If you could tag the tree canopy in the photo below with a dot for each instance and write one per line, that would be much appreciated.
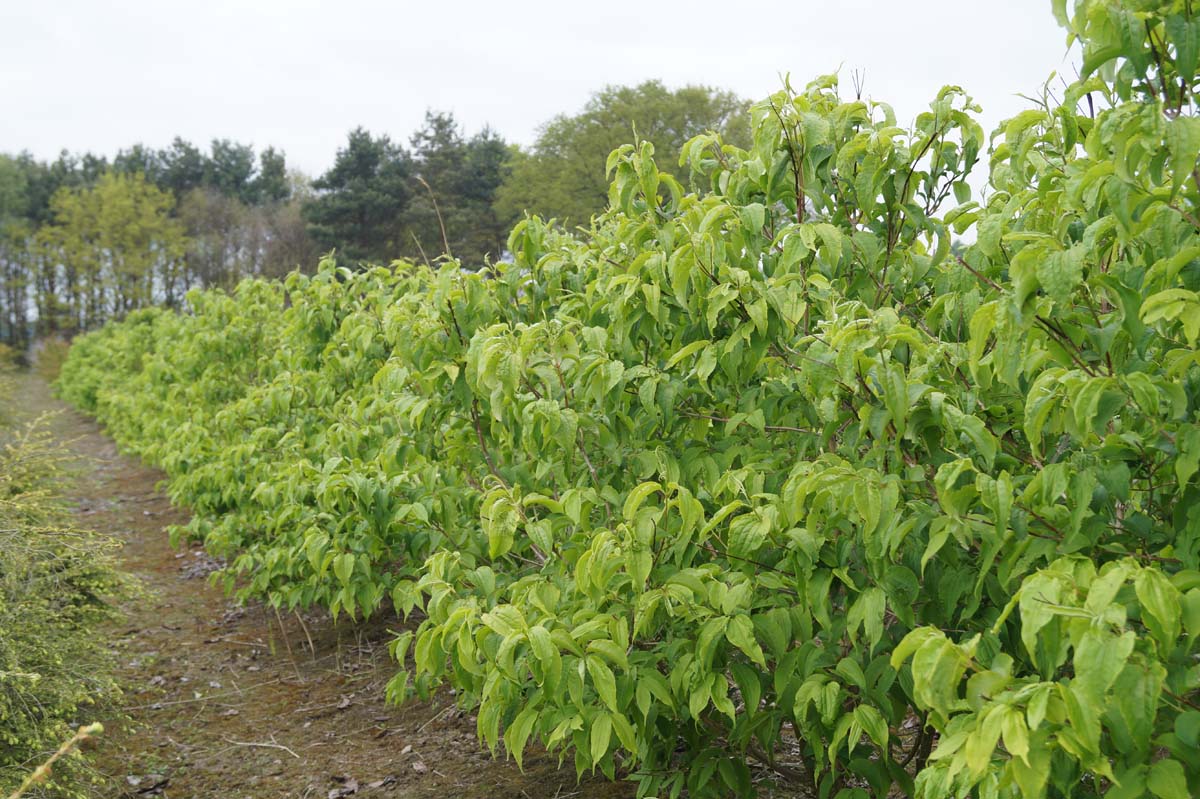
(115, 246)
(380, 202)
(457, 179)
(446, 192)
(361, 199)
(563, 176)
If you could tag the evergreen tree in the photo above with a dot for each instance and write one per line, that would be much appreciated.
(360, 202)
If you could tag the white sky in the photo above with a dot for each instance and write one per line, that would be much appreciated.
(298, 74)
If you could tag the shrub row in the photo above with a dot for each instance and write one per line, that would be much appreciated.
(779, 472)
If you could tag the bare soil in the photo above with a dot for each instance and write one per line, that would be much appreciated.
(232, 701)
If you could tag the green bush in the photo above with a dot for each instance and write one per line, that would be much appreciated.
(770, 473)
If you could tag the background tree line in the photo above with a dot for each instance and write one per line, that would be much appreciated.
(84, 239)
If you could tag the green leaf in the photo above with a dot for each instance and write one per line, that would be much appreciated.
(604, 682)
(981, 743)
(1015, 734)
(1184, 33)
(867, 612)
(1183, 140)
(1060, 273)
(517, 733)
(1172, 305)
(636, 497)
(343, 567)
(1099, 658)
(937, 668)
(740, 632)
(1187, 728)
(774, 628)
(748, 533)
(698, 698)
(547, 654)
(686, 351)
(625, 732)
(540, 534)
(1160, 603)
(873, 724)
(599, 737)
(1167, 780)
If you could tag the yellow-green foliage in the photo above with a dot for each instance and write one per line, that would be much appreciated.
(42, 773)
(56, 584)
(120, 214)
(9, 357)
(770, 472)
(49, 357)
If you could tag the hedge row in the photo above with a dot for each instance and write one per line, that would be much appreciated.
(779, 472)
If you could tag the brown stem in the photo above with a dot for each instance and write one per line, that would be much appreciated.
(797, 170)
(438, 211)
(487, 456)
(770, 428)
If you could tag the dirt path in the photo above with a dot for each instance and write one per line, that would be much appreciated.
(224, 701)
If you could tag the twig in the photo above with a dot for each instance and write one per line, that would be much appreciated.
(287, 643)
(487, 456)
(770, 428)
(436, 716)
(236, 643)
(420, 249)
(438, 211)
(304, 627)
(42, 772)
(263, 745)
(158, 705)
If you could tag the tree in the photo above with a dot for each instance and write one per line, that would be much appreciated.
(288, 247)
(62, 254)
(271, 184)
(14, 232)
(484, 171)
(230, 169)
(44, 179)
(183, 168)
(564, 177)
(454, 189)
(117, 248)
(360, 201)
(223, 239)
(140, 159)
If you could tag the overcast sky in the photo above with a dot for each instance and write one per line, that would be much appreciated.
(298, 74)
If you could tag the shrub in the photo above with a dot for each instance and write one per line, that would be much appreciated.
(57, 583)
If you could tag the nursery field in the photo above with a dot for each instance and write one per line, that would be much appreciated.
(822, 476)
